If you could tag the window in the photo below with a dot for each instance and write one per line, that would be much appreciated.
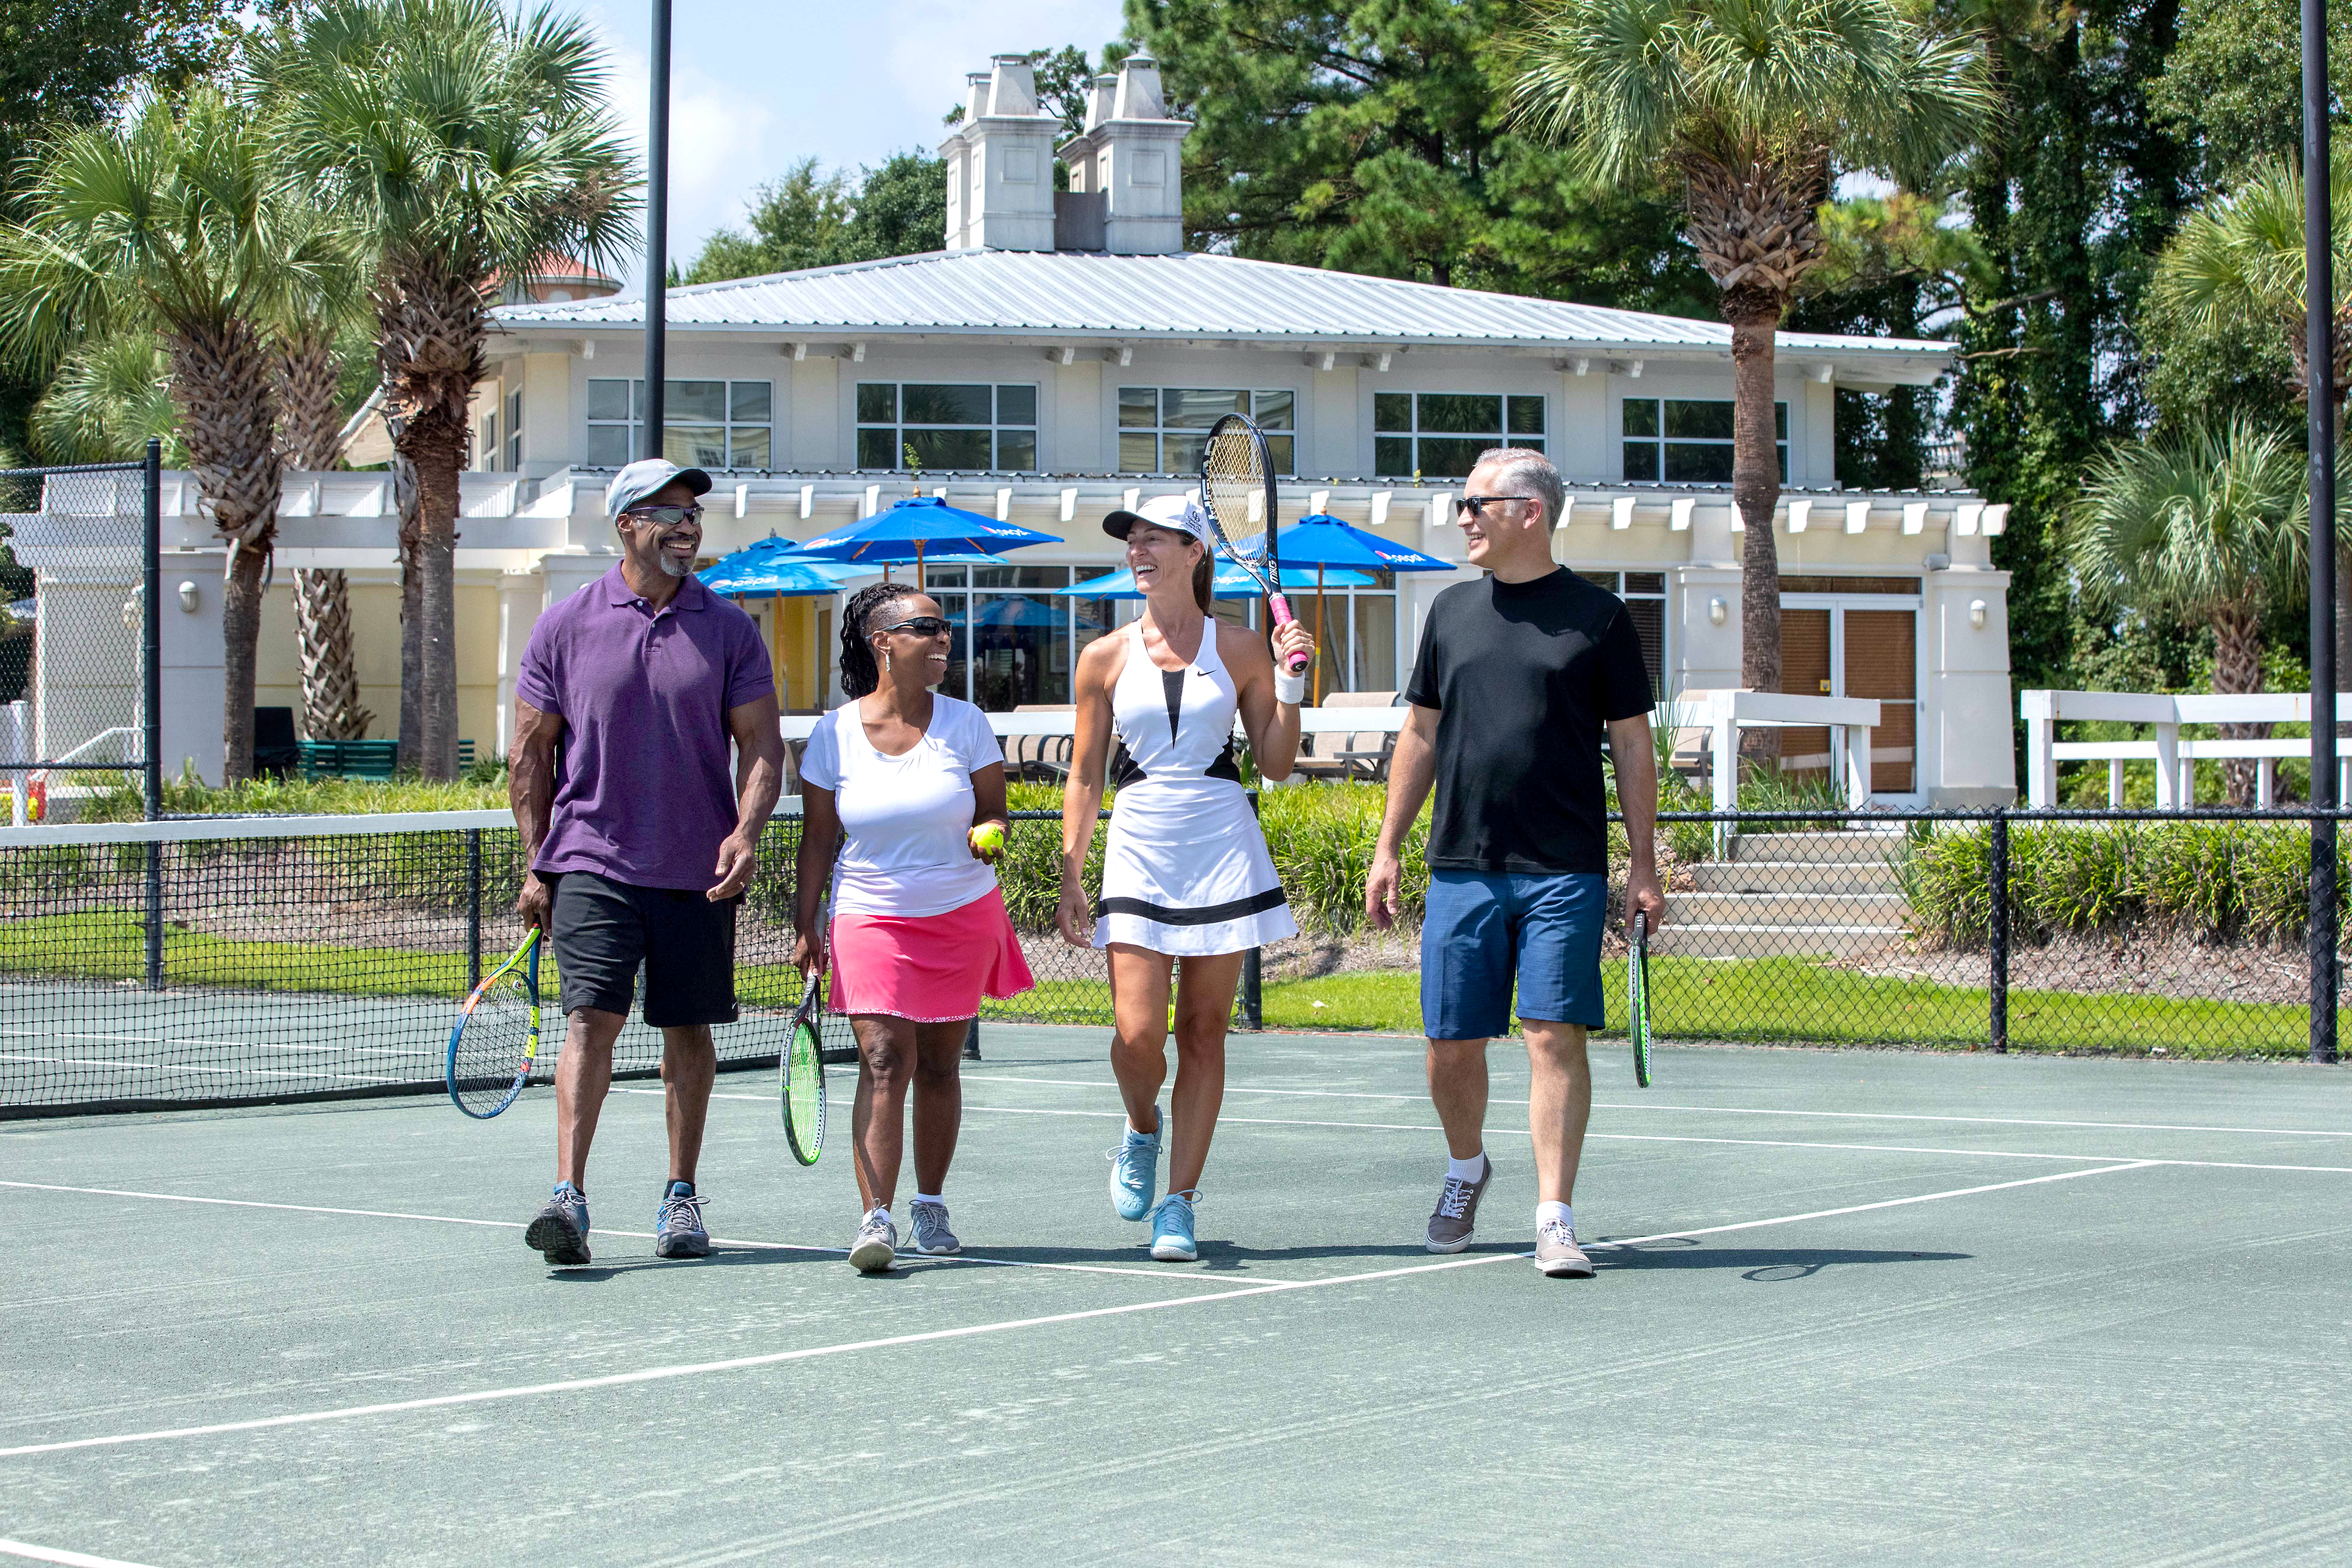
(1644, 593)
(988, 429)
(1687, 440)
(1441, 434)
(485, 442)
(1015, 641)
(1162, 428)
(705, 424)
(514, 431)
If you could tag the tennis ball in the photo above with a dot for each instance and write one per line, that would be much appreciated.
(987, 840)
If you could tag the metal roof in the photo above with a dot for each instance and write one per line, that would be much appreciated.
(1189, 297)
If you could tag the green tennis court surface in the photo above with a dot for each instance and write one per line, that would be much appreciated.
(1865, 1304)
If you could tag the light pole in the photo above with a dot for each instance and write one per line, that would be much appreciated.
(657, 234)
(2319, 406)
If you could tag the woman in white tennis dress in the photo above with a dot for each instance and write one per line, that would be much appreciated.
(1186, 876)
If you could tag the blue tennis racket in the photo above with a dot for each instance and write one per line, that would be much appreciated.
(496, 1038)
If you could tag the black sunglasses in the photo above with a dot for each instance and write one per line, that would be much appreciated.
(1476, 505)
(921, 625)
(666, 516)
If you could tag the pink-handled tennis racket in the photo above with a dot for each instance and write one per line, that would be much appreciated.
(1234, 469)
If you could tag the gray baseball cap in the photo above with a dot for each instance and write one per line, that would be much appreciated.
(646, 477)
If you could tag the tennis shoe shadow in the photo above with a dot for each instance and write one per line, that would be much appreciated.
(1762, 1265)
(720, 1257)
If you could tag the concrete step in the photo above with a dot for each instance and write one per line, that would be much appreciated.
(1842, 847)
(1733, 940)
(1875, 911)
(1792, 877)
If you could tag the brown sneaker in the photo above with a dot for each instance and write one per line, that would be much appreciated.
(1457, 1212)
(1556, 1253)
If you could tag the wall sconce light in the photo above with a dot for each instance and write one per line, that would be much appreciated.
(188, 598)
(1977, 614)
(1717, 612)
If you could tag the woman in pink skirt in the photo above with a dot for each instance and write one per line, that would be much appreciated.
(905, 781)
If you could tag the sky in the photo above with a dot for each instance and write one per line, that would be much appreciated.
(758, 85)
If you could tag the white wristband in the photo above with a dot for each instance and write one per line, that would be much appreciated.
(1290, 689)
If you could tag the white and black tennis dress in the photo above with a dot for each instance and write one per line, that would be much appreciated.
(1186, 870)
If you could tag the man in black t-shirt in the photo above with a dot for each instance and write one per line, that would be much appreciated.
(1518, 675)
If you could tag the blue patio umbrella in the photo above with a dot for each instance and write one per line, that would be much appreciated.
(1322, 541)
(771, 572)
(1021, 610)
(910, 529)
(1229, 583)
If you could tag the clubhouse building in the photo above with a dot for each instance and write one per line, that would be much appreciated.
(1063, 355)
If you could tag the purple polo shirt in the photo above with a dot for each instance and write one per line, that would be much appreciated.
(644, 794)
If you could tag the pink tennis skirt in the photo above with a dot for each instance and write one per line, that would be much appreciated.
(932, 969)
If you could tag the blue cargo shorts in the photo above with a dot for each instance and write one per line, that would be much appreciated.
(1484, 928)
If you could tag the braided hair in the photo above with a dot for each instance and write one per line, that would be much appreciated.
(859, 672)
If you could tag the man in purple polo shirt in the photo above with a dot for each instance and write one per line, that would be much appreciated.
(640, 842)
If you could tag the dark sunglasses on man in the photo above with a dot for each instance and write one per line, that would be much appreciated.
(1476, 505)
(665, 516)
(921, 627)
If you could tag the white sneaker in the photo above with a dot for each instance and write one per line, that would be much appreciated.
(875, 1249)
(932, 1237)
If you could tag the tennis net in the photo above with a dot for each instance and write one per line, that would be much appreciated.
(258, 960)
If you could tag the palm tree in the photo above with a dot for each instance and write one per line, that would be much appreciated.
(2240, 262)
(107, 397)
(1752, 107)
(466, 140)
(174, 224)
(2201, 529)
(308, 376)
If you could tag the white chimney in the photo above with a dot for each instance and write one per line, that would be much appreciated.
(999, 163)
(1129, 162)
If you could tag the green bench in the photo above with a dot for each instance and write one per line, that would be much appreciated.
(362, 758)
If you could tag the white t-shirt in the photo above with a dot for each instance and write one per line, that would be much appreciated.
(905, 817)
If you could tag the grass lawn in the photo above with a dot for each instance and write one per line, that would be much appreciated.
(1778, 999)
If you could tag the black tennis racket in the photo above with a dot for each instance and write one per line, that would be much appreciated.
(1637, 998)
(1234, 470)
(496, 1038)
(801, 1072)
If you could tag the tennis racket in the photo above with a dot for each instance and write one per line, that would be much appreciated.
(1637, 999)
(1235, 469)
(496, 1038)
(801, 1072)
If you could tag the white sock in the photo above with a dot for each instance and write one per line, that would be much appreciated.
(1554, 1209)
(879, 1211)
(1472, 1170)
(930, 1198)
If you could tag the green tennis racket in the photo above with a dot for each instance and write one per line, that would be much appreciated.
(801, 1073)
(496, 1038)
(1637, 998)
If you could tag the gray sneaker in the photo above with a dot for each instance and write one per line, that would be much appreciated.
(677, 1224)
(875, 1249)
(560, 1231)
(1556, 1253)
(932, 1237)
(1457, 1212)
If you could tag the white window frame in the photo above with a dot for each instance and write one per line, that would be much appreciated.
(634, 425)
(1282, 441)
(1537, 440)
(1658, 442)
(514, 431)
(996, 428)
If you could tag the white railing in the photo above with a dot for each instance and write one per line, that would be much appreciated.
(2175, 759)
(1849, 720)
(1311, 721)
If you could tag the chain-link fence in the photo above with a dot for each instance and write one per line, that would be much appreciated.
(78, 662)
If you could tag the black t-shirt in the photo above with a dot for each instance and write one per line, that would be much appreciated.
(1523, 676)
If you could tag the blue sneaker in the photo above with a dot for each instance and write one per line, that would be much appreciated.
(1171, 1228)
(677, 1224)
(1134, 1173)
(560, 1231)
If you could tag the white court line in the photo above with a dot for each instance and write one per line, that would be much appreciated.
(778, 1358)
(1656, 1138)
(58, 1554)
(630, 1235)
(1740, 1109)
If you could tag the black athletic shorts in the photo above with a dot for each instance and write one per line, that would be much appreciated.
(602, 930)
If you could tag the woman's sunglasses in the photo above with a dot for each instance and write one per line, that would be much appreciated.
(921, 627)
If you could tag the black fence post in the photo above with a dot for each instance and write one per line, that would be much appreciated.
(473, 907)
(151, 634)
(1998, 937)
